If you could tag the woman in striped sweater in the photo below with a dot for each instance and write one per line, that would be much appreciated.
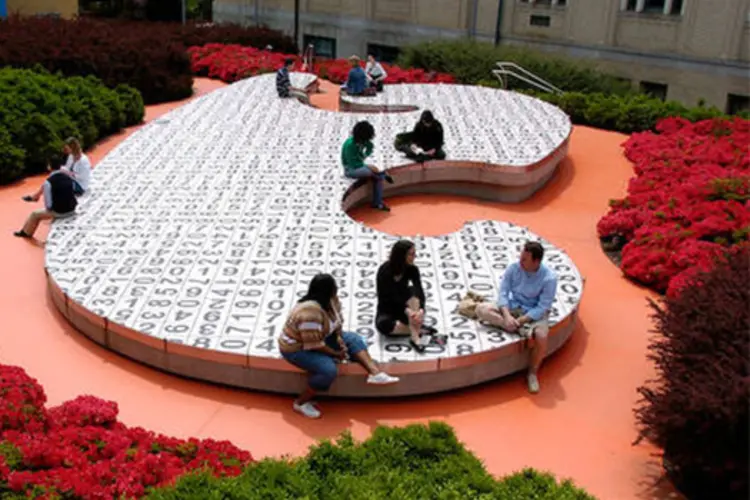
(313, 340)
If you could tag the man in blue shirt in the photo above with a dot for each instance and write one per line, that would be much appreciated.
(527, 291)
(356, 82)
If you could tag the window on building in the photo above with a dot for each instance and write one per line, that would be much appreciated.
(665, 7)
(656, 90)
(323, 45)
(383, 53)
(558, 3)
(737, 103)
(535, 20)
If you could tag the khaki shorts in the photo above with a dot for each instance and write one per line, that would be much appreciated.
(540, 327)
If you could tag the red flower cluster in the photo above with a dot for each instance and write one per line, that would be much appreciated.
(230, 63)
(80, 450)
(688, 204)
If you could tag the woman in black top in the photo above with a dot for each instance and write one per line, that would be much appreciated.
(425, 142)
(400, 295)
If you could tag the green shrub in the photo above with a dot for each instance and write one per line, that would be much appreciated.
(623, 113)
(414, 462)
(472, 62)
(38, 110)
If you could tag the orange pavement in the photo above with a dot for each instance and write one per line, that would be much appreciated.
(580, 425)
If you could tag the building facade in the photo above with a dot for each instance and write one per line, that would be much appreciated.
(686, 50)
(62, 8)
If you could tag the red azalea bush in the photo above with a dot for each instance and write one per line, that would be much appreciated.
(80, 450)
(231, 63)
(688, 204)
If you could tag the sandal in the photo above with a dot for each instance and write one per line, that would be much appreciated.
(27, 198)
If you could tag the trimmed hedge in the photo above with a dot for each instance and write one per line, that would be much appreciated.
(151, 57)
(414, 462)
(472, 62)
(697, 409)
(38, 110)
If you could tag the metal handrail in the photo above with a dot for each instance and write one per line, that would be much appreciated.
(308, 58)
(507, 68)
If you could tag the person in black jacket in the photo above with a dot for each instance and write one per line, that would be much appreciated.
(401, 299)
(59, 201)
(425, 142)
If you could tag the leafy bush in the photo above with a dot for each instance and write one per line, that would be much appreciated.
(414, 462)
(623, 113)
(697, 409)
(472, 62)
(688, 203)
(150, 57)
(39, 110)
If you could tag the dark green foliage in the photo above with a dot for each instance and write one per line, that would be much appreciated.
(623, 113)
(697, 409)
(414, 462)
(38, 111)
(472, 62)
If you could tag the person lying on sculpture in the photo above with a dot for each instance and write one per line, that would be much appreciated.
(425, 142)
(401, 299)
(527, 290)
(313, 340)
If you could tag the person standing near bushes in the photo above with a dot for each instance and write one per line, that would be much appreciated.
(425, 142)
(59, 201)
(527, 291)
(353, 154)
(284, 83)
(77, 165)
(313, 340)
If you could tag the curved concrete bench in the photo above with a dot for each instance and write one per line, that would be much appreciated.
(203, 228)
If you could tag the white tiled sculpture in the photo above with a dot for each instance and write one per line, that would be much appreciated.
(205, 226)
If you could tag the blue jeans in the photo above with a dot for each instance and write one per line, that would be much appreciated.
(77, 189)
(377, 182)
(320, 367)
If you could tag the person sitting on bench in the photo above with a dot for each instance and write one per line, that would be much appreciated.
(284, 84)
(425, 142)
(77, 166)
(353, 153)
(59, 201)
(356, 82)
(376, 75)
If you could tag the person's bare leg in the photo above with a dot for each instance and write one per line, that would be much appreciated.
(538, 351)
(307, 395)
(416, 318)
(491, 314)
(363, 358)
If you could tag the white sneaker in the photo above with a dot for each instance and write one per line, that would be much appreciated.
(307, 409)
(382, 378)
(533, 383)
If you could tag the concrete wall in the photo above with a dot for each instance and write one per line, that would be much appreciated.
(704, 52)
(65, 8)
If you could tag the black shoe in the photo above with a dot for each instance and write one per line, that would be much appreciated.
(383, 207)
(21, 234)
(27, 198)
(429, 330)
(419, 348)
(389, 179)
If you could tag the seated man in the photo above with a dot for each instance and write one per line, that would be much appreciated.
(425, 142)
(527, 291)
(356, 82)
(59, 201)
(284, 84)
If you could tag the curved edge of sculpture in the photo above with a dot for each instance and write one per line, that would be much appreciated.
(277, 375)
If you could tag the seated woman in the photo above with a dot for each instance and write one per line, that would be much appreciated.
(425, 142)
(401, 300)
(376, 75)
(313, 340)
(353, 153)
(356, 82)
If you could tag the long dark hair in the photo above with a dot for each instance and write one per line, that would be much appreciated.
(397, 260)
(426, 117)
(322, 290)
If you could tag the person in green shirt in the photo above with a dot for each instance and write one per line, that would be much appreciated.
(353, 153)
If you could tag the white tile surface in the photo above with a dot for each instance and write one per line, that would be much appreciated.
(205, 226)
